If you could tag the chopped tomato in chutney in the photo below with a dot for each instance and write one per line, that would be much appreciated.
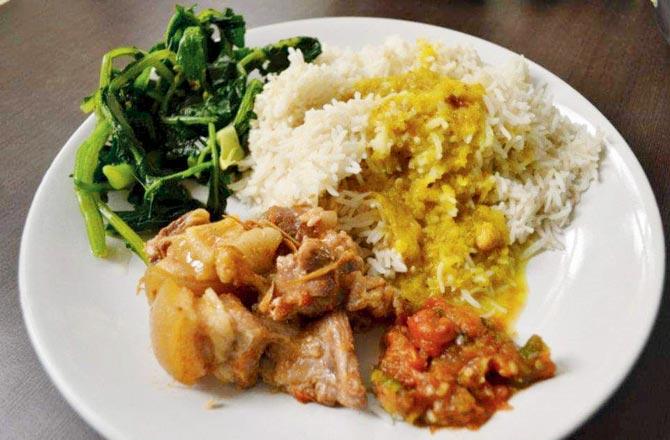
(445, 366)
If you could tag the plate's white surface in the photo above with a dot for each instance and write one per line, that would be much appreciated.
(594, 303)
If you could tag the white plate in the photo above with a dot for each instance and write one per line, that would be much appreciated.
(594, 303)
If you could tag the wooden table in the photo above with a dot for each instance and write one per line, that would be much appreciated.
(610, 51)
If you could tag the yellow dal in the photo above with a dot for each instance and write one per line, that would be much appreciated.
(430, 168)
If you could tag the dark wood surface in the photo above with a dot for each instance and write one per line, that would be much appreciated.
(610, 51)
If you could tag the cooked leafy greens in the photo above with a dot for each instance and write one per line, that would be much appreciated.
(179, 111)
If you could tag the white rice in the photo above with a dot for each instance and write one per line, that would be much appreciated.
(293, 165)
(468, 298)
(305, 142)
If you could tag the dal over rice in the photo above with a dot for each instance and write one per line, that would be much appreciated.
(448, 172)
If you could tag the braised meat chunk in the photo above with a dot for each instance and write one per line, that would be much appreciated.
(273, 298)
(319, 365)
(372, 297)
(225, 255)
(221, 293)
(284, 218)
(238, 362)
(157, 247)
(317, 278)
(193, 336)
(447, 367)
(302, 221)
(298, 290)
(197, 287)
(325, 271)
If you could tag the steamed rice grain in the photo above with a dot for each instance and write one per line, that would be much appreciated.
(307, 139)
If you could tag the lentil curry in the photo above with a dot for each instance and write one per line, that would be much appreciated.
(430, 169)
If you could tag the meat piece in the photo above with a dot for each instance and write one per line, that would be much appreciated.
(347, 255)
(313, 254)
(302, 221)
(189, 258)
(238, 338)
(156, 248)
(297, 292)
(285, 219)
(322, 274)
(193, 336)
(371, 296)
(315, 279)
(318, 366)
(223, 254)
(315, 222)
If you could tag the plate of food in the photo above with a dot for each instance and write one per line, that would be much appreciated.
(344, 227)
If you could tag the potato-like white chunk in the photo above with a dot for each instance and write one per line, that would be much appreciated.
(258, 246)
(175, 333)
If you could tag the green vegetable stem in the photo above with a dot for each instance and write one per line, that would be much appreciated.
(120, 176)
(180, 111)
(84, 167)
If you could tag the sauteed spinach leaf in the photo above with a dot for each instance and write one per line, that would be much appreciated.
(179, 112)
